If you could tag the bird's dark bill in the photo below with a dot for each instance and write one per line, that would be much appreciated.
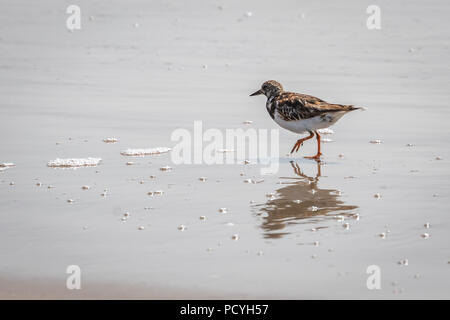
(256, 93)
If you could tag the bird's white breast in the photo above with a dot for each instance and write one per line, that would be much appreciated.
(311, 124)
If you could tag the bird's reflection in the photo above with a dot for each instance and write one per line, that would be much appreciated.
(300, 199)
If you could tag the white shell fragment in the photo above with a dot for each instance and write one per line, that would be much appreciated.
(253, 181)
(155, 193)
(225, 150)
(74, 163)
(110, 140)
(325, 131)
(144, 152)
(403, 262)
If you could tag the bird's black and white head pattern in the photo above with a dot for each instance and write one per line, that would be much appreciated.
(271, 88)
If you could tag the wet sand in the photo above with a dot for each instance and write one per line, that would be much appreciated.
(64, 92)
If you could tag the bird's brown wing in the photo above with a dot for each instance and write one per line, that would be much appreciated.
(295, 106)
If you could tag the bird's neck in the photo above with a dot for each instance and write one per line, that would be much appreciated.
(270, 106)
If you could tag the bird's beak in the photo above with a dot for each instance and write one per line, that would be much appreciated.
(256, 93)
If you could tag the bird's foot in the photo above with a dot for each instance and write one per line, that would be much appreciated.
(296, 147)
(316, 157)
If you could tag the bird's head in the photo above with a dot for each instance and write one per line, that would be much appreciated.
(269, 89)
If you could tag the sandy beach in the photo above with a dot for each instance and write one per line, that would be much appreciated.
(143, 227)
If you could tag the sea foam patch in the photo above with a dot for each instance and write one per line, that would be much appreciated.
(145, 152)
(74, 163)
(6, 165)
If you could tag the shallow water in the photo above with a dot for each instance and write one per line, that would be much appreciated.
(62, 93)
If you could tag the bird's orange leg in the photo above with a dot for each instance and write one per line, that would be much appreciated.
(317, 156)
(300, 142)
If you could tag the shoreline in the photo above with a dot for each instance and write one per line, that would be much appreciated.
(40, 289)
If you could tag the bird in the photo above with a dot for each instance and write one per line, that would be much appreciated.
(301, 113)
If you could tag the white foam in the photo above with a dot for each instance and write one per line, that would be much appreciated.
(145, 152)
(7, 165)
(74, 163)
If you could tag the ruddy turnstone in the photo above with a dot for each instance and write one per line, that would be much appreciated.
(300, 113)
